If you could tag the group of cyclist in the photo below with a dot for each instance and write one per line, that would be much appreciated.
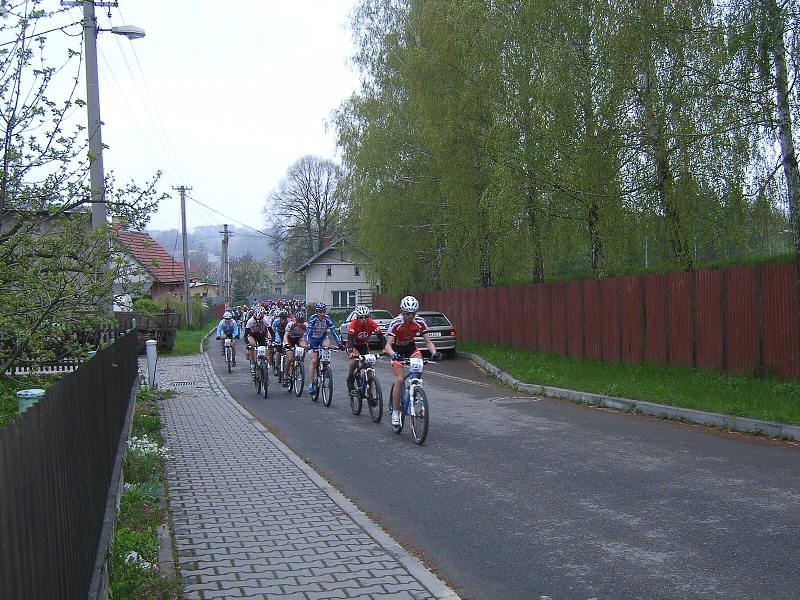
(282, 329)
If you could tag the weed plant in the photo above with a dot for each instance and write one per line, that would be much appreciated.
(133, 559)
(767, 399)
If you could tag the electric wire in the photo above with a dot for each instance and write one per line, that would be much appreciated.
(152, 109)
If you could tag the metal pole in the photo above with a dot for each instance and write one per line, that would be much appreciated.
(96, 177)
(182, 189)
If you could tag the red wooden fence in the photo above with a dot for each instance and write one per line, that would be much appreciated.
(737, 320)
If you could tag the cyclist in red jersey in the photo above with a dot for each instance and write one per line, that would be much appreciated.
(400, 344)
(358, 340)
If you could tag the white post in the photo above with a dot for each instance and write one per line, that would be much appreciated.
(152, 359)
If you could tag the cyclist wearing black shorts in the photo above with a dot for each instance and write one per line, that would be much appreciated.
(358, 334)
(400, 345)
(256, 330)
(295, 330)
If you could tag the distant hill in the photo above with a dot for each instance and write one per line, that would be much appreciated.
(241, 242)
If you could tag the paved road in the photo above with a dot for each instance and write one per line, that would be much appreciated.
(514, 496)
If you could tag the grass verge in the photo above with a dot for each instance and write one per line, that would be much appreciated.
(768, 399)
(188, 340)
(133, 566)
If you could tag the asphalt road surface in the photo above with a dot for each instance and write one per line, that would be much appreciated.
(514, 496)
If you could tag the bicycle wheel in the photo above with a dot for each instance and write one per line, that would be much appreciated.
(374, 399)
(257, 378)
(396, 428)
(327, 385)
(265, 376)
(419, 417)
(228, 358)
(299, 378)
(355, 396)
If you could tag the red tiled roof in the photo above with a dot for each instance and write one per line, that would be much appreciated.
(196, 271)
(150, 255)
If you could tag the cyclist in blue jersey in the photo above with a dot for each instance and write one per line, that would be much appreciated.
(317, 328)
(277, 330)
(228, 328)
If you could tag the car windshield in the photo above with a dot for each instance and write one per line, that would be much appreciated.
(436, 320)
(381, 314)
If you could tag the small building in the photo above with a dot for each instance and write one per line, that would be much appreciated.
(161, 274)
(336, 275)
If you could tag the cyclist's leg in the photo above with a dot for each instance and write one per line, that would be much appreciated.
(287, 363)
(397, 369)
(312, 363)
(351, 385)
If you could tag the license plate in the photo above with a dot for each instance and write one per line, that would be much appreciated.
(435, 334)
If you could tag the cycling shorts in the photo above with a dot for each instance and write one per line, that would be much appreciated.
(406, 351)
(294, 341)
(362, 349)
(314, 343)
(261, 340)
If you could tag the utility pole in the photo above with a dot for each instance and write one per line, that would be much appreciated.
(183, 189)
(226, 266)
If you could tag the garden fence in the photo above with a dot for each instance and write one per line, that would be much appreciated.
(735, 320)
(60, 470)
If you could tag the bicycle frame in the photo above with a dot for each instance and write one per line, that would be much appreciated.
(411, 381)
(364, 368)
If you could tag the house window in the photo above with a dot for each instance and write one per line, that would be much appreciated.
(278, 290)
(345, 299)
(356, 270)
(329, 271)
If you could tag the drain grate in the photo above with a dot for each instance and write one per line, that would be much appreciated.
(182, 383)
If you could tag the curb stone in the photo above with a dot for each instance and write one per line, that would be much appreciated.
(741, 424)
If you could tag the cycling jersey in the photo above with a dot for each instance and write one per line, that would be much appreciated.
(361, 332)
(404, 333)
(257, 327)
(230, 329)
(317, 330)
(279, 329)
(295, 330)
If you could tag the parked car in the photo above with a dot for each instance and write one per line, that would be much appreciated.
(381, 317)
(441, 331)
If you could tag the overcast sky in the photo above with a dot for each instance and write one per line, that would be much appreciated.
(221, 97)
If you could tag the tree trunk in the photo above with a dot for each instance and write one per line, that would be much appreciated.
(777, 48)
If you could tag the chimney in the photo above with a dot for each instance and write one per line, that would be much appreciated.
(326, 241)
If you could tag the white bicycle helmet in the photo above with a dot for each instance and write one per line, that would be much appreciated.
(258, 312)
(362, 311)
(409, 304)
(227, 315)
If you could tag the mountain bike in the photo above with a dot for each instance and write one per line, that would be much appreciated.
(228, 353)
(368, 388)
(276, 358)
(323, 378)
(297, 372)
(414, 401)
(260, 370)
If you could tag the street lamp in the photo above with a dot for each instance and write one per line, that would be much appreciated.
(96, 175)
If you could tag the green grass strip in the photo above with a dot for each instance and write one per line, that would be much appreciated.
(768, 399)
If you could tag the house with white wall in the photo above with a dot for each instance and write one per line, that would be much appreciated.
(336, 275)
